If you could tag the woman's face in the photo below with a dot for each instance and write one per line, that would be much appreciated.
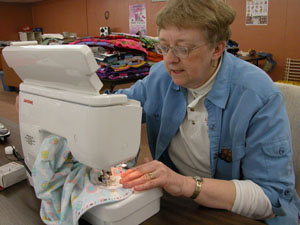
(198, 67)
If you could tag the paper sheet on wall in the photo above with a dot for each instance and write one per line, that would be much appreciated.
(137, 19)
(257, 12)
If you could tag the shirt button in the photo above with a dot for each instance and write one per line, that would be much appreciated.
(281, 151)
(193, 122)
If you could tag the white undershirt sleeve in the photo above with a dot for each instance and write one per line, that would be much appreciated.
(251, 201)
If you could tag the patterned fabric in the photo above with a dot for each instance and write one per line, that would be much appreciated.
(120, 43)
(64, 185)
(107, 72)
(121, 57)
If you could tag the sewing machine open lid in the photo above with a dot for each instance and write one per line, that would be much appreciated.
(66, 67)
(64, 72)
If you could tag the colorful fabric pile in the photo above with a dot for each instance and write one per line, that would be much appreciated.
(122, 55)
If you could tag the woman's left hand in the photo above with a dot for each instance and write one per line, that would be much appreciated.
(153, 174)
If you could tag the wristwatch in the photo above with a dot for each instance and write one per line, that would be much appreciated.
(198, 187)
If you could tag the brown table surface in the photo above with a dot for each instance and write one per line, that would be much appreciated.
(19, 206)
(253, 58)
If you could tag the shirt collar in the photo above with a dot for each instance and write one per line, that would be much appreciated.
(206, 87)
(219, 93)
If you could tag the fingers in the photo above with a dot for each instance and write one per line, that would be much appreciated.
(144, 182)
(142, 177)
(154, 174)
(145, 178)
(138, 171)
(131, 174)
(148, 185)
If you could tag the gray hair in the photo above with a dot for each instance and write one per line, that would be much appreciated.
(213, 17)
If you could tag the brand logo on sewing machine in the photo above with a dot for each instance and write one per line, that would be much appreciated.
(28, 101)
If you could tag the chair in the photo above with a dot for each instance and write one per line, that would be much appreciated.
(292, 70)
(291, 94)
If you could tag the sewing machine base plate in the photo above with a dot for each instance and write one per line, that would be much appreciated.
(130, 211)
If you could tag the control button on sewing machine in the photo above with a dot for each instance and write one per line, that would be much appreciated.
(4, 132)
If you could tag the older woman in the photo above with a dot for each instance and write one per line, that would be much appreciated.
(217, 126)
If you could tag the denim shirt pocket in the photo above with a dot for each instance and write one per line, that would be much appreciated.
(276, 150)
(278, 160)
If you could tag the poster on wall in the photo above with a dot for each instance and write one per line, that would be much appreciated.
(137, 19)
(257, 12)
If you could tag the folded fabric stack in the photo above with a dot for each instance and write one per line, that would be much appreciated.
(122, 55)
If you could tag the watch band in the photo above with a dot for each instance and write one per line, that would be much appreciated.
(198, 187)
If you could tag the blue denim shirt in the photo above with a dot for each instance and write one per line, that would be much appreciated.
(246, 114)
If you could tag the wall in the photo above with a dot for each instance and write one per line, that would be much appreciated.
(291, 44)
(119, 15)
(85, 17)
(12, 17)
(57, 16)
(281, 36)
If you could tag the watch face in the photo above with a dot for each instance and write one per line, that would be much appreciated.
(197, 178)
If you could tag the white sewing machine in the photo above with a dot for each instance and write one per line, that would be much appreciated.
(60, 95)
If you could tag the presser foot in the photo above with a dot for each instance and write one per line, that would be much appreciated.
(108, 178)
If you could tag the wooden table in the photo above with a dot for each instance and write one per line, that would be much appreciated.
(253, 58)
(19, 206)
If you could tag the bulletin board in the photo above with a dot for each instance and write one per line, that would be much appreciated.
(257, 12)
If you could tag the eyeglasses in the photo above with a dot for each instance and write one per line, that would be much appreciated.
(180, 52)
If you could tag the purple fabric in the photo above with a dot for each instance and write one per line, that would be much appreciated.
(106, 72)
(91, 43)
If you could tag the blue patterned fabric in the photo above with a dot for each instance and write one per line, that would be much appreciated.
(64, 185)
